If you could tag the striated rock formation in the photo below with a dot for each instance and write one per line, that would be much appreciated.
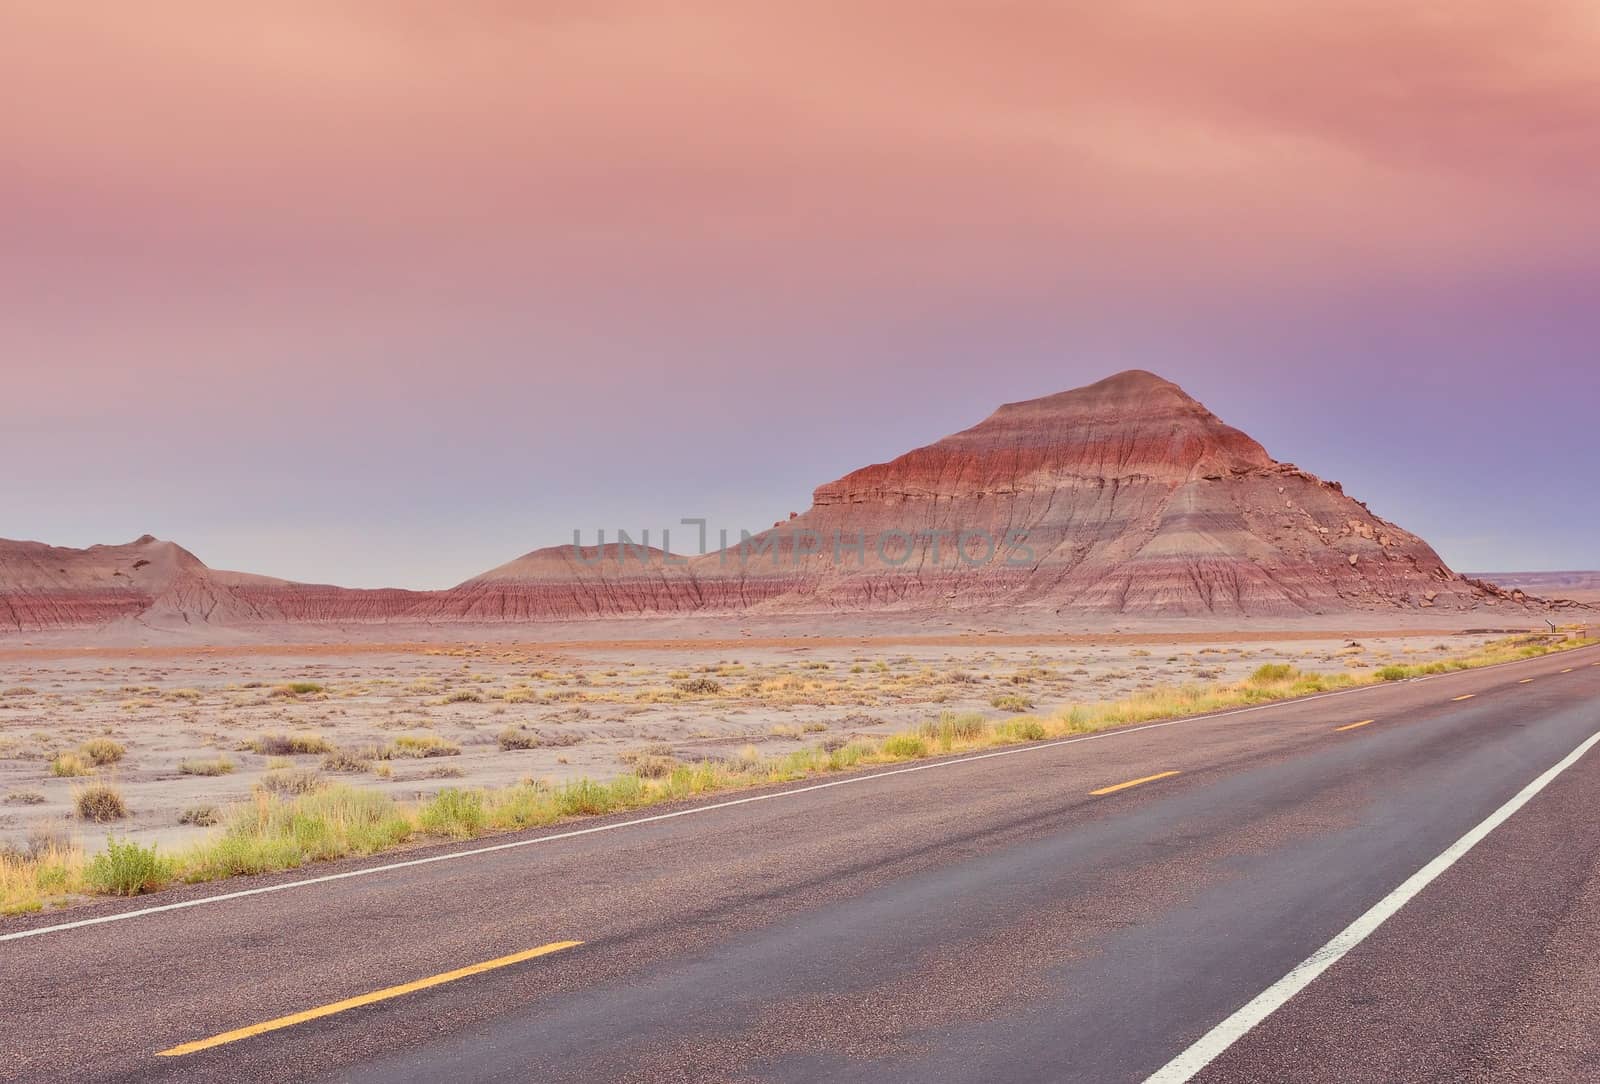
(161, 584)
(1124, 497)
(46, 587)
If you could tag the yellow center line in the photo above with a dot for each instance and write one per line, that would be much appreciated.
(1352, 726)
(1569, 670)
(1524, 681)
(1133, 783)
(1469, 696)
(365, 999)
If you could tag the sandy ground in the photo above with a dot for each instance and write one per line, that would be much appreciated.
(585, 708)
(1020, 624)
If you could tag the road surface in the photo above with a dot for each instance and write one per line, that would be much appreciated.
(1093, 910)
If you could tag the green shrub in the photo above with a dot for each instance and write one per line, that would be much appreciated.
(1394, 673)
(452, 812)
(127, 869)
(1272, 673)
(904, 746)
(584, 797)
(285, 833)
(1026, 730)
(952, 727)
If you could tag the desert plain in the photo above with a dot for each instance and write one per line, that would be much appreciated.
(203, 729)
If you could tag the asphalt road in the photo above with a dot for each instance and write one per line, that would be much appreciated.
(982, 920)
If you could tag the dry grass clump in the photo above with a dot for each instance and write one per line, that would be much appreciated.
(100, 803)
(425, 745)
(700, 686)
(464, 696)
(292, 781)
(655, 766)
(281, 745)
(103, 751)
(513, 738)
(296, 688)
(1011, 702)
(200, 816)
(1500, 651)
(350, 759)
(97, 752)
(952, 729)
(70, 765)
(657, 761)
(219, 766)
(50, 871)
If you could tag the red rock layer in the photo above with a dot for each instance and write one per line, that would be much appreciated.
(1127, 496)
(1124, 497)
(160, 584)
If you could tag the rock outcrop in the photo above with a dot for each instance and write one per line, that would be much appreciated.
(162, 585)
(1124, 497)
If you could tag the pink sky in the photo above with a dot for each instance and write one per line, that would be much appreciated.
(276, 283)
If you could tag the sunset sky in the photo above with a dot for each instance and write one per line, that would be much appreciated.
(391, 292)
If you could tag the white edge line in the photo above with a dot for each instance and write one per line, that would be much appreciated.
(1211, 1045)
(1036, 747)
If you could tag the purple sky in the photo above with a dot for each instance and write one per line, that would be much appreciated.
(382, 294)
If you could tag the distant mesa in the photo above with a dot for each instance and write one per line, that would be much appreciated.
(1579, 586)
(1126, 497)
